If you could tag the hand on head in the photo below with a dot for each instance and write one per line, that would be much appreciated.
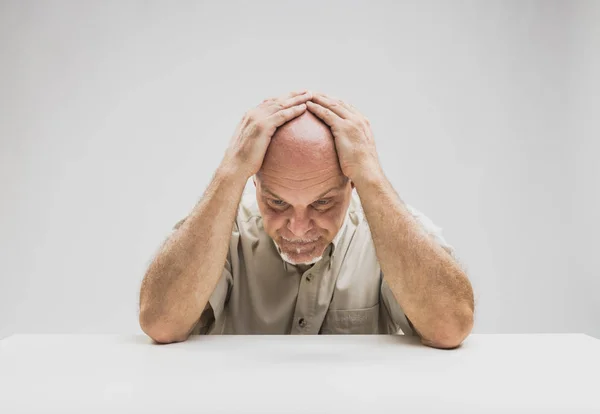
(254, 132)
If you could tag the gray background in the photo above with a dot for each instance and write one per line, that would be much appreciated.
(114, 115)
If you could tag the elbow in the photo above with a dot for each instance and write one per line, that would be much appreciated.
(159, 331)
(451, 334)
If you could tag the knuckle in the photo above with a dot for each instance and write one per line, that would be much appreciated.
(251, 117)
(259, 126)
(255, 124)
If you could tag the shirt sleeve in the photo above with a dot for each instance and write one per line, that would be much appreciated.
(393, 317)
(398, 322)
(213, 311)
(216, 303)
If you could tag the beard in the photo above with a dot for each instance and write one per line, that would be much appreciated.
(300, 252)
(294, 261)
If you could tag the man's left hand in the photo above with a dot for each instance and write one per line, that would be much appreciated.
(352, 133)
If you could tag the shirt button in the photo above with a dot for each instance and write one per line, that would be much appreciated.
(309, 277)
(302, 322)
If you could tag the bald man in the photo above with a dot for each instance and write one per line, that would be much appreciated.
(325, 246)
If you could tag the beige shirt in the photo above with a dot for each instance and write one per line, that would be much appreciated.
(343, 293)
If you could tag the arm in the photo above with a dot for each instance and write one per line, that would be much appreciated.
(426, 281)
(180, 280)
(185, 272)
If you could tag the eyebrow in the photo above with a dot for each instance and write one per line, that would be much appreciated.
(266, 190)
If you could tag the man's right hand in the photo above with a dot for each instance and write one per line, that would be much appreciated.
(253, 134)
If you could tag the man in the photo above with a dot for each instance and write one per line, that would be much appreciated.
(326, 246)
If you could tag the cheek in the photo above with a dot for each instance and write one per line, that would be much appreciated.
(272, 221)
(328, 220)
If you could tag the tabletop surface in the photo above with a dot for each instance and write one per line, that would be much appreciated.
(546, 373)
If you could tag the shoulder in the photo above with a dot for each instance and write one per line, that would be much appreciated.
(248, 208)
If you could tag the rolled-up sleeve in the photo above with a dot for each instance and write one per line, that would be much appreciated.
(392, 317)
(216, 304)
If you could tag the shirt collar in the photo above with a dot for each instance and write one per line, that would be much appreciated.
(338, 237)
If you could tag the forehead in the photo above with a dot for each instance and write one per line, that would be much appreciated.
(301, 189)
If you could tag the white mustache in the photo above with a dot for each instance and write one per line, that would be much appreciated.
(300, 240)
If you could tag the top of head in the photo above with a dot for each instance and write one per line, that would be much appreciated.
(303, 145)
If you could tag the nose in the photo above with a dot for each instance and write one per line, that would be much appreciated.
(300, 224)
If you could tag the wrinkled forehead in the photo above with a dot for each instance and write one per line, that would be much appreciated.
(305, 188)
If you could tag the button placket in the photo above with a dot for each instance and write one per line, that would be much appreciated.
(307, 318)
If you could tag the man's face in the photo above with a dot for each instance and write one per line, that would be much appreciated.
(301, 191)
(302, 213)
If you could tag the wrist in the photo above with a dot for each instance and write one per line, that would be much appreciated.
(232, 173)
(368, 175)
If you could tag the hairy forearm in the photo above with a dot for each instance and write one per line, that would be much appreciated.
(183, 275)
(426, 280)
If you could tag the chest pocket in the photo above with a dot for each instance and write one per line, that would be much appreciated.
(351, 321)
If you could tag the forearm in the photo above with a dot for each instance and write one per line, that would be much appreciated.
(181, 278)
(427, 282)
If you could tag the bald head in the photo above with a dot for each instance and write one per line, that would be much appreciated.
(304, 130)
(302, 194)
(301, 150)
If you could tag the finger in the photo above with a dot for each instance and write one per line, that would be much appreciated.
(281, 117)
(328, 116)
(285, 96)
(298, 92)
(347, 105)
(350, 107)
(297, 100)
(292, 94)
(333, 105)
(272, 107)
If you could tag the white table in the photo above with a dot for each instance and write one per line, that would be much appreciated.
(547, 373)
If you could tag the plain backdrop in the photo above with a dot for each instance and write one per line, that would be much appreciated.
(115, 114)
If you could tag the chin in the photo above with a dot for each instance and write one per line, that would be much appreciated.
(299, 260)
(302, 258)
